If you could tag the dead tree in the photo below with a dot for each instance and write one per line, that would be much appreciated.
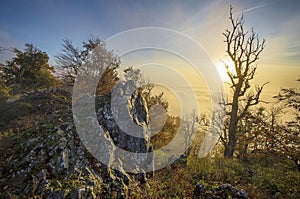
(243, 48)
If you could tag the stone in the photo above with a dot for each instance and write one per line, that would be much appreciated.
(82, 194)
(199, 190)
(124, 115)
(42, 175)
(58, 194)
(223, 191)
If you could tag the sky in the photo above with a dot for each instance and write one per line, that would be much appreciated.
(46, 23)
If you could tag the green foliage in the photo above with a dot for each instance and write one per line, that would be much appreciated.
(169, 183)
(28, 70)
(260, 179)
(218, 170)
(14, 110)
(276, 182)
(4, 91)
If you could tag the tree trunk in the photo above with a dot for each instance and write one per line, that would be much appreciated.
(230, 146)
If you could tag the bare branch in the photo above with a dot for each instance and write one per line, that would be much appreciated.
(252, 100)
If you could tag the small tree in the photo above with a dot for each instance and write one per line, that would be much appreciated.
(71, 59)
(253, 130)
(287, 143)
(28, 70)
(243, 48)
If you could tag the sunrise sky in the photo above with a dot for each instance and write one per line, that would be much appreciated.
(46, 23)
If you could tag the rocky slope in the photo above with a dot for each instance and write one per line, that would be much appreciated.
(49, 160)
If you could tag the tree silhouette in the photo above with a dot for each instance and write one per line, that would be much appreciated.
(243, 48)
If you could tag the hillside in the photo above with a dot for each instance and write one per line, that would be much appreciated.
(43, 157)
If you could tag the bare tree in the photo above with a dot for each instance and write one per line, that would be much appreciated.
(243, 48)
(71, 58)
(190, 127)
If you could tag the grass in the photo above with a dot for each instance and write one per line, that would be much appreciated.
(267, 179)
(36, 103)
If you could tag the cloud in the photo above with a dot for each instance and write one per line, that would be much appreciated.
(251, 9)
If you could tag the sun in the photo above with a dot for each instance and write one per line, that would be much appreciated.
(222, 69)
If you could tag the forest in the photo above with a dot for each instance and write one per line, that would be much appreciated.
(43, 155)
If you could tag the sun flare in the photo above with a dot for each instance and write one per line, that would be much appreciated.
(221, 66)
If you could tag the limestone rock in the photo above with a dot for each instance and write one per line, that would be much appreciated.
(124, 115)
(51, 161)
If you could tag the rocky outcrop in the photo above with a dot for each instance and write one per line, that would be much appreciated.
(223, 191)
(50, 160)
(124, 115)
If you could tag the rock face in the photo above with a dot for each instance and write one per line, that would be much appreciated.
(223, 191)
(124, 115)
(50, 161)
